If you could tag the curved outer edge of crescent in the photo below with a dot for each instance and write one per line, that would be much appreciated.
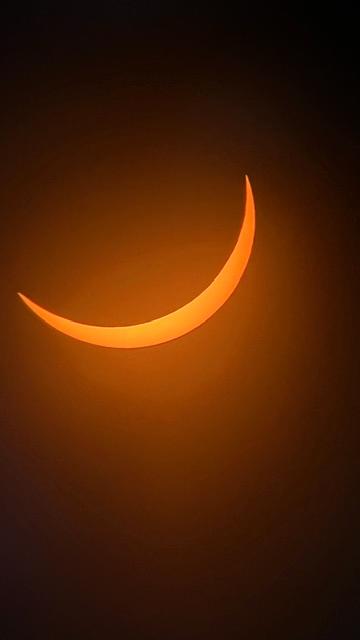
(178, 322)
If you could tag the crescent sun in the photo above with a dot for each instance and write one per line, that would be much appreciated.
(176, 323)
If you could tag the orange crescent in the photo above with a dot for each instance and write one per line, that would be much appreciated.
(174, 324)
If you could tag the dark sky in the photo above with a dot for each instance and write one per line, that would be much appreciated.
(206, 488)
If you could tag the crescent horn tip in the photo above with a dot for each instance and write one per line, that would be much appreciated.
(24, 299)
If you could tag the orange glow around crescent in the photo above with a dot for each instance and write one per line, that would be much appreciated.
(174, 324)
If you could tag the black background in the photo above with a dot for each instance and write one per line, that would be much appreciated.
(217, 496)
